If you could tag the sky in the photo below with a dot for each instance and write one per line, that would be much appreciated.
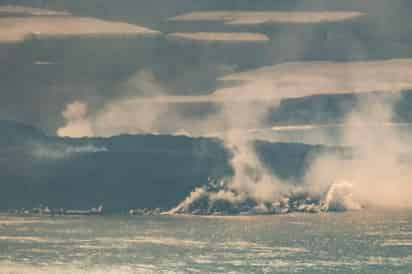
(129, 67)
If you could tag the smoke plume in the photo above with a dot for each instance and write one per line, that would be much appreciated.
(380, 167)
(375, 174)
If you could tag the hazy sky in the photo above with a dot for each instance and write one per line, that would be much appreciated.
(108, 54)
(100, 68)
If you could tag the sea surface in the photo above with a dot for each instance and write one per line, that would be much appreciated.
(352, 242)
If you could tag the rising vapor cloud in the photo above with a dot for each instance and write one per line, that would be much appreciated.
(352, 183)
(257, 90)
(375, 175)
(134, 112)
(379, 169)
(77, 124)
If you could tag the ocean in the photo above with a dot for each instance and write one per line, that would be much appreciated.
(351, 242)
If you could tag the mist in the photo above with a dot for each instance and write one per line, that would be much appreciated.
(61, 151)
(379, 170)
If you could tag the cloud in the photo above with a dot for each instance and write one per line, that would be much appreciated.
(77, 124)
(75, 111)
(374, 172)
(16, 29)
(226, 37)
(335, 126)
(146, 107)
(293, 80)
(271, 17)
(132, 112)
(21, 10)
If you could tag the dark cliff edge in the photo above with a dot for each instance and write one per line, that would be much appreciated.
(122, 172)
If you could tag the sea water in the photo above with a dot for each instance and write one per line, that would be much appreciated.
(352, 242)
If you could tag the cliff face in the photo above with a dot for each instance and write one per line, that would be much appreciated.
(122, 172)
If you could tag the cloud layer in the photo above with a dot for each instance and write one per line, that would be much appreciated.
(21, 10)
(16, 29)
(293, 80)
(225, 37)
(271, 17)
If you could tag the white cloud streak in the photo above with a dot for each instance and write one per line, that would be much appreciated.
(16, 29)
(225, 37)
(22, 10)
(293, 80)
(270, 17)
(314, 78)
